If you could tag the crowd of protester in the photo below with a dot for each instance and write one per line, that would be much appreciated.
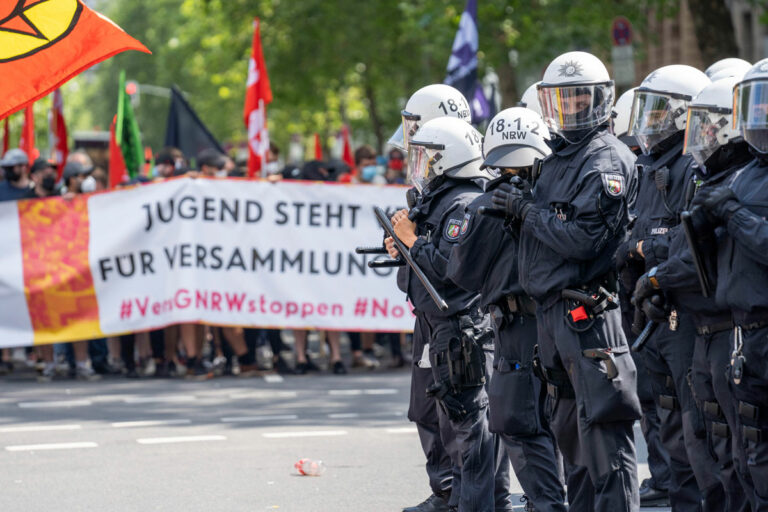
(194, 350)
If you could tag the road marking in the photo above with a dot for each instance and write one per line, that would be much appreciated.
(263, 394)
(242, 419)
(39, 428)
(343, 415)
(60, 403)
(316, 433)
(402, 430)
(182, 439)
(148, 423)
(50, 446)
(158, 399)
(355, 392)
(273, 378)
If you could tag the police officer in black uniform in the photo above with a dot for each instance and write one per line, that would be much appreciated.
(741, 208)
(444, 160)
(665, 186)
(427, 103)
(719, 150)
(570, 229)
(485, 260)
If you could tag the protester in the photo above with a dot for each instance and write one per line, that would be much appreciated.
(17, 185)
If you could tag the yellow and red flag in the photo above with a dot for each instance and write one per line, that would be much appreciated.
(44, 43)
(258, 95)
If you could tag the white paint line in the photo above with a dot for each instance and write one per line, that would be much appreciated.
(182, 439)
(38, 428)
(51, 446)
(264, 394)
(273, 379)
(316, 433)
(159, 399)
(60, 403)
(380, 391)
(245, 419)
(343, 415)
(345, 392)
(148, 423)
(402, 430)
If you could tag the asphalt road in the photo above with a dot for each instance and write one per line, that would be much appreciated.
(226, 444)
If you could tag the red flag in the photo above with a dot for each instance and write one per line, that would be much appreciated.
(318, 148)
(44, 43)
(347, 154)
(258, 95)
(27, 140)
(6, 137)
(118, 172)
(58, 132)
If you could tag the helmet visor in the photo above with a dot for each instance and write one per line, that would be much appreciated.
(411, 124)
(701, 133)
(420, 171)
(397, 139)
(654, 118)
(750, 103)
(568, 108)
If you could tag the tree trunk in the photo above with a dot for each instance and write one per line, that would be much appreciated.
(714, 29)
(373, 112)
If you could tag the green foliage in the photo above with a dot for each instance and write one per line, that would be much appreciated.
(329, 61)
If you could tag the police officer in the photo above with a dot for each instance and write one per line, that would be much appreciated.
(654, 490)
(444, 160)
(429, 102)
(741, 209)
(530, 99)
(570, 228)
(485, 260)
(666, 185)
(719, 150)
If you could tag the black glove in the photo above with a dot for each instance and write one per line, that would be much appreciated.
(643, 288)
(721, 202)
(512, 200)
(625, 254)
(656, 309)
(452, 407)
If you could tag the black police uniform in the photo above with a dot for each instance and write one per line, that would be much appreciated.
(485, 261)
(678, 278)
(567, 242)
(665, 184)
(742, 285)
(438, 214)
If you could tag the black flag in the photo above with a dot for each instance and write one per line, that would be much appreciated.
(185, 130)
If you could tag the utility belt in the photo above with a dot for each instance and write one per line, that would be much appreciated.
(465, 359)
(706, 330)
(750, 321)
(512, 306)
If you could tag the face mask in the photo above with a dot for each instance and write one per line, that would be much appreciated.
(221, 174)
(88, 185)
(369, 172)
(272, 167)
(11, 174)
(48, 183)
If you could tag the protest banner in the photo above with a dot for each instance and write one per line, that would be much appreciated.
(225, 252)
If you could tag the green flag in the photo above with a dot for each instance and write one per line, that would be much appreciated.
(127, 132)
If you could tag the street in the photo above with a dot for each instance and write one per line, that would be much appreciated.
(225, 444)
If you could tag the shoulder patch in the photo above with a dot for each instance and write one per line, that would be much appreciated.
(614, 184)
(453, 229)
(465, 223)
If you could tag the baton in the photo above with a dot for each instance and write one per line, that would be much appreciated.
(644, 336)
(406, 254)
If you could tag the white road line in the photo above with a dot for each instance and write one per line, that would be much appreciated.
(380, 391)
(273, 379)
(263, 394)
(244, 419)
(402, 430)
(159, 399)
(148, 423)
(50, 446)
(59, 403)
(316, 433)
(38, 428)
(343, 415)
(355, 392)
(182, 439)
